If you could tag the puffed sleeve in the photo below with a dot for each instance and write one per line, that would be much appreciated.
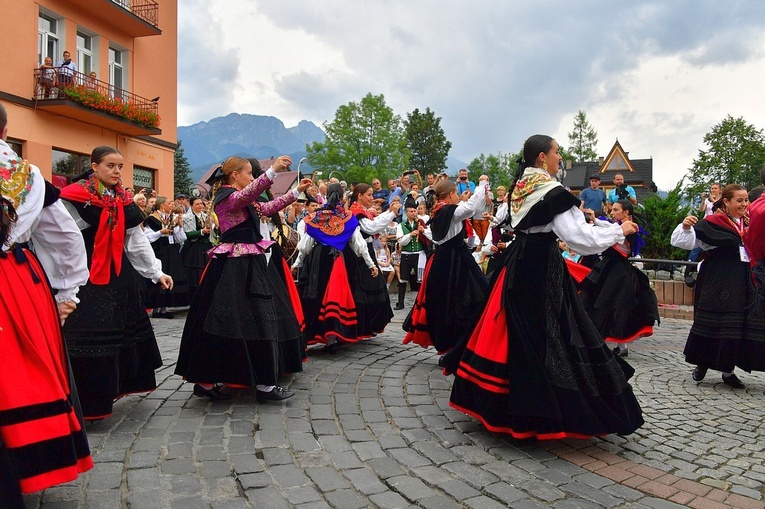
(686, 239)
(376, 225)
(59, 247)
(140, 254)
(359, 246)
(585, 238)
(304, 247)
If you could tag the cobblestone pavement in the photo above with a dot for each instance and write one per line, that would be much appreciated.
(371, 427)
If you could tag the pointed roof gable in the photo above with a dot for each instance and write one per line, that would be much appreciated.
(616, 162)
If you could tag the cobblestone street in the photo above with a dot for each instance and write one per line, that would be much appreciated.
(371, 427)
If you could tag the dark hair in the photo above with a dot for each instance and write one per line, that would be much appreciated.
(99, 153)
(360, 188)
(255, 166)
(727, 194)
(193, 200)
(626, 205)
(756, 193)
(3, 117)
(533, 146)
(334, 196)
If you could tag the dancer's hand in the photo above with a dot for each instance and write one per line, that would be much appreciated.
(282, 163)
(304, 184)
(374, 271)
(65, 309)
(165, 282)
(689, 221)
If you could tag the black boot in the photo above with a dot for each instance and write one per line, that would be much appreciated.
(401, 294)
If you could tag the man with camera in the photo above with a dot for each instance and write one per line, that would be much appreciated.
(621, 191)
(463, 184)
(403, 189)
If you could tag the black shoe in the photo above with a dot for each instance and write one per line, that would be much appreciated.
(733, 381)
(213, 393)
(621, 352)
(330, 348)
(699, 373)
(399, 305)
(277, 394)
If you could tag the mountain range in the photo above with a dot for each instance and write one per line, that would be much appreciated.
(207, 143)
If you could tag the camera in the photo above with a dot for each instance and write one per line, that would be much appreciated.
(463, 178)
(621, 192)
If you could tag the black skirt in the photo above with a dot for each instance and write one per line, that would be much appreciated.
(535, 365)
(727, 330)
(370, 294)
(170, 257)
(452, 294)
(194, 258)
(241, 328)
(619, 299)
(111, 342)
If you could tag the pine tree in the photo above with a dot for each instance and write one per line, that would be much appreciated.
(181, 172)
(426, 141)
(583, 139)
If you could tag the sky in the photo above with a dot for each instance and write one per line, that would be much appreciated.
(656, 75)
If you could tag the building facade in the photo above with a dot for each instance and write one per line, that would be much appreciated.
(120, 88)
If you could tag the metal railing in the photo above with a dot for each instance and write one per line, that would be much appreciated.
(63, 83)
(147, 10)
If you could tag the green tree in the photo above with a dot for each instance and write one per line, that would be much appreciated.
(365, 140)
(426, 141)
(181, 172)
(499, 167)
(583, 139)
(736, 152)
(662, 216)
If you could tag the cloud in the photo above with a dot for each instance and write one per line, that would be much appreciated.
(655, 74)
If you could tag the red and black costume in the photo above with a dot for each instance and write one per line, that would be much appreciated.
(42, 439)
(535, 365)
(110, 338)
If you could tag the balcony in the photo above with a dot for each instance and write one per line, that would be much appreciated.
(95, 102)
(136, 18)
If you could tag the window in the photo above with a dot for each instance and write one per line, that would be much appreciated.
(84, 52)
(143, 178)
(116, 72)
(69, 164)
(47, 38)
(16, 146)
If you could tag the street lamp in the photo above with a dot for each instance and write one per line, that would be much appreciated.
(300, 175)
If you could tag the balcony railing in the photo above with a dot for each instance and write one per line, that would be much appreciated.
(147, 10)
(52, 84)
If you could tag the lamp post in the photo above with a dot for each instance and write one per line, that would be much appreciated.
(300, 175)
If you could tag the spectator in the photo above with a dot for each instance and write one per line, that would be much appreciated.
(379, 194)
(463, 184)
(382, 253)
(431, 179)
(621, 191)
(321, 196)
(91, 83)
(594, 198)
(500, 198)
(414, 193)
(443, 176)
(164, 229)
(395, 259)
(484, 207)
(47, 77)
(66, 70)
(194, 253)
(182, 199)
(310, 207)
(708, 200)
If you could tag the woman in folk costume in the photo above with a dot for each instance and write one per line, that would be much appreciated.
(164, 229)
(369, 292)
(42, 440)
(617, 296)
(330, 312)
(109, 336)
(241, 329)
(535, 365)
(453, 287)
(727, 331)
(197, 225)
